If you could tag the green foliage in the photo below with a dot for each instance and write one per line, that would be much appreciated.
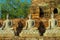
(15, 8)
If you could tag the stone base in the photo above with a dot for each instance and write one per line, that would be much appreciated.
(6, 33)
(52, 32)
(29, 33)
(21, 38)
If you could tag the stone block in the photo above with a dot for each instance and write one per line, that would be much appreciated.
(57, 38)
(49, 38)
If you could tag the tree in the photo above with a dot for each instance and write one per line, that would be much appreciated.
(15, 8)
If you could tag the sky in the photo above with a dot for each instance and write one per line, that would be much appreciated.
(4, 1)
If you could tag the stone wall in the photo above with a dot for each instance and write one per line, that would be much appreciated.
(51, 38)
(31, 38)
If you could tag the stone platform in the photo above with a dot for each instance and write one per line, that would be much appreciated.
(21, 38)
(53, 32)
(29, 33)
(6, 33)
(30, 38)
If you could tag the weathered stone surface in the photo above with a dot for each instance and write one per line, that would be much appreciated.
(30, 38)
(29, 33)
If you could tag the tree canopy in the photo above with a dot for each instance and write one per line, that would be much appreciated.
(15, 8)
